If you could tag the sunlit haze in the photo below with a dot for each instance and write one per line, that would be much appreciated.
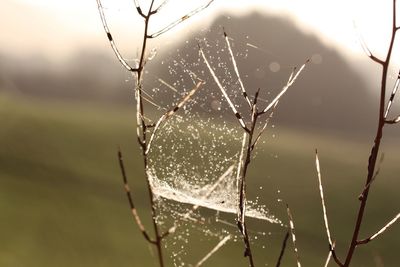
(56, 28)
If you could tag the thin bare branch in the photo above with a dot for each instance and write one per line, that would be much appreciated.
(293, 233)
(142, 126)
(332, 253)
(367, 186)
(223, 90)
(167, 85)
(140, 123)
(171, 112)
(283, 248)
(381, 231)
(321, 191)
(364, 46)
(215, 249)
(240, 217)
(139, 10)
(158, 9)
(111, 39)
(130, 199)
(152, 103)
(394, 91)
(325, 214)
(178, 21)
(372, 160)
(265, 126)
(328, 259)
(293, 78)
(244, 161)
(244, 93)
(394, 121)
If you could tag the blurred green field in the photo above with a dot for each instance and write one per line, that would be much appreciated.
(62, 204)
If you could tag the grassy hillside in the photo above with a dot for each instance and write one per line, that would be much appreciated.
(62, 204)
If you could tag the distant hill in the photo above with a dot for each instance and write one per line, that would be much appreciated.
(328, 95)
(88, 75)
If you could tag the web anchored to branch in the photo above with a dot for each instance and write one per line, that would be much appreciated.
(251, 135)
(147, 131)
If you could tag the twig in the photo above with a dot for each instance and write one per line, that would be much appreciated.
(168, 85)
(185, 17)
(265, 125)
(215, 249)
(250, 137)
(364, 46)
(142, 126)
(321, 191)
(161, 6)
(240, 215)
(171, 112)
(139, 10)
(111, 39)
(393, 121)
(223, 91)
(293, 77)
(283, 248)
(293, 233)
(130, 199)
(328, 233)
(394, 91)
(379, 133)
(244, 93)
(381, 231)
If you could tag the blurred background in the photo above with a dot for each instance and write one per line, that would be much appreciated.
(66, 104)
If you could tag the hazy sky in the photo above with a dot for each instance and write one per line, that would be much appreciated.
(56, 27)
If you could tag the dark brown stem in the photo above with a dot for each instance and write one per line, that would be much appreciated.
(377, 142)
(248, 136)
(334, 255)
(242, 198)
(158, 237)
(142, 126)
(130, 199)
